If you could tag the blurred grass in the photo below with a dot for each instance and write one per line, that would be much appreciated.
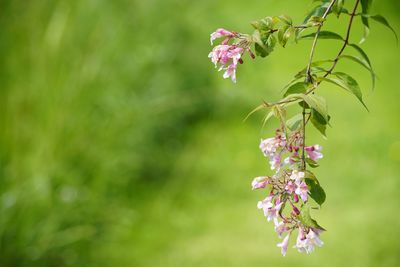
(122, 146)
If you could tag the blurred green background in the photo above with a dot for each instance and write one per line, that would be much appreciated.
(121, 145)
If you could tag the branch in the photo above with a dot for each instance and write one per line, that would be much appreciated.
(346, 42)
(308, 72)
(335, 61)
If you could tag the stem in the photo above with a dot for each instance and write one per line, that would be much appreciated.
(335, 61)
(308, 72)
(346, 42)
(309, 79)
(303, 158)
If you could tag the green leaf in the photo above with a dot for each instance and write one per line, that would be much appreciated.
(365, 6)
(316, 191)
(362, 53)
(299, 87)
(319, 121)
(265, 24)
(318, 117)
(254, 110)
(323, 35)
(305, 218)
(383, 21)
(280, 113)
(317, 11)
(314, 69)
(312, 163)
(284, 34)
(267, 117)
(260, 50)
(310, 175)
(315, 21)
(319, 126)
(363, 63)
(264, 43)
(294, 122)
(285, 19)
(349, 83)
(338, 7)
(318, 103)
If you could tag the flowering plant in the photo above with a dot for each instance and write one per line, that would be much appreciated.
(293, 188)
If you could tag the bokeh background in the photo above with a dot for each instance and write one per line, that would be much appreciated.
(121, 145)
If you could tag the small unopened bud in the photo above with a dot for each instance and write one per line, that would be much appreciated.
(295, 210)
(251, 54)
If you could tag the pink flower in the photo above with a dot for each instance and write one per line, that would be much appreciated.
(307, 243)
(302, 190)
(259, 182)
(290, 187)
(221, 33)
(312, 240)
(265, 204)
(231, 72)
(291, 160)
(297, 175)
(270, 211)
(300, 242)
(270, 146)
(280, 228)
(228, 57)
(275, 162)
(314, 152)
(284, 245)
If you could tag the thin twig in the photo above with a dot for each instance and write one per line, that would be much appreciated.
(308, 72)
(346, 42)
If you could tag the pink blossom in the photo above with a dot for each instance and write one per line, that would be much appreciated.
(259, 182)
(302, 190)
(270, 146)
(265, 204)
(280, 228)
(221, 33)
(312, 240)
(284, 245)
(275, 162)
(297, 175)
(228, 57)
(231, 72)
(290, 187)
(270, 211)
(307, 243)
(301, 244)
(314, 152)
(291, 160)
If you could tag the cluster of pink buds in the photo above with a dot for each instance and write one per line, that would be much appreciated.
(288, 189)
(229, 55)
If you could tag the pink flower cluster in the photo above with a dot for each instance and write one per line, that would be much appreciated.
(288, 188)
(228, 55)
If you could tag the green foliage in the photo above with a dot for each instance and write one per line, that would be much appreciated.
(348, 83)
(116, 140)
(384, 22)
(365, 6)
(294, 122)
(298, 87)
(323, 35)
(317, 193)
(306, 219)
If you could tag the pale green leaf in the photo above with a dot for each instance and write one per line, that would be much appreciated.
(363, 63)
(323, 35)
